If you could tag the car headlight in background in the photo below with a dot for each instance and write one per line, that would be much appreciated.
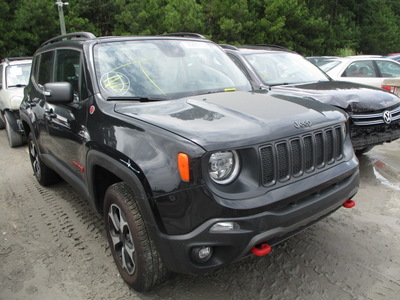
(15, 102)
(224, 166)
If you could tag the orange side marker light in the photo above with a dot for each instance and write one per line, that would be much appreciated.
(183, 166)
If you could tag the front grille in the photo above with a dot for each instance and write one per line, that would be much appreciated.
(374, 118)
(294, 157)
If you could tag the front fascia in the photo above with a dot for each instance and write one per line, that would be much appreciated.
(269, 224)
(182, 211)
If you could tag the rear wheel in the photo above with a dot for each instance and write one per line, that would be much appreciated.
(15, 139)
(134, 252)
(44, 175)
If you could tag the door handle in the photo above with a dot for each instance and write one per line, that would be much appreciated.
(50, 113)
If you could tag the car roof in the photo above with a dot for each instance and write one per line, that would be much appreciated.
(16, 60)
(255, 48)
(364, 57)
(78, 38)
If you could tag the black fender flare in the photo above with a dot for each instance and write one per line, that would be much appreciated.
(128, 172)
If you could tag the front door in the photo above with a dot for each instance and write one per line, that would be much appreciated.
(66, 123)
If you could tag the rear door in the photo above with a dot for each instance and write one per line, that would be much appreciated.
(364, 72)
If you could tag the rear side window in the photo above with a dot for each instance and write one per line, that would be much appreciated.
(45, 67)
(363, 68)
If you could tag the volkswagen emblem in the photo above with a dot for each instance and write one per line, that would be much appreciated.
(387, 117)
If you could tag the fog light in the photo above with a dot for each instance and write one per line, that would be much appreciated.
(202, 254)
(224, 226)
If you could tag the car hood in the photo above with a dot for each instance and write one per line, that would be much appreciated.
(352, 97)
(233, 119)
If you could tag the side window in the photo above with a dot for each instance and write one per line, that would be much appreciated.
(364, 68)
(45, 68)
(388, 69)
(67, 68)
(1, 76)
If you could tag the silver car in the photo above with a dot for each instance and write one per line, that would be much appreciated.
(14, 76)
(370, 70)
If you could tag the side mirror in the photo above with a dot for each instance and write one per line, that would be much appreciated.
(58, 92)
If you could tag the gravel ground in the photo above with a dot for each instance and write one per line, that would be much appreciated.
(53, 246)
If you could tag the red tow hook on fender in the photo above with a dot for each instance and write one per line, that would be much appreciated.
(265, 249)
(349, 203)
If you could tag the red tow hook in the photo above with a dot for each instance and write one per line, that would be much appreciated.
(265, 249)
(349, 203)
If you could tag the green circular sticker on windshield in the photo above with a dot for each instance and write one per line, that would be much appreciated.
(115, 83)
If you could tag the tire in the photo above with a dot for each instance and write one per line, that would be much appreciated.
(15, 139)
(364, 150)
(135, 254)
(44, 175)
(2, 124)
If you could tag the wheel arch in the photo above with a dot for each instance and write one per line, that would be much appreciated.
(27, 127)
(105, 170)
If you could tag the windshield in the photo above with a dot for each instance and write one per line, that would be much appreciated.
(18, 75)
(165, 69)
(329, 66)
(275, 68)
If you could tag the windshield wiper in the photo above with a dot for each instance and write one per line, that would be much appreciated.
(276, 84)
(139, 99)
(17, 85)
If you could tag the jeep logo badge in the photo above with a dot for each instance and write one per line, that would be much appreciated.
(387, 117)
(302, 124)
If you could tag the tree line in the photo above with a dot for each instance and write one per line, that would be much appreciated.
(310, 27)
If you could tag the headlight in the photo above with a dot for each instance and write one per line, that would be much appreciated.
(224, 166)
(15, 102)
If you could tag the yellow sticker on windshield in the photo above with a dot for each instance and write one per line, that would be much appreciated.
(229, 90)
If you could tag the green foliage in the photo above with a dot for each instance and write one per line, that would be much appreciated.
(310, 27)
(345, 52)
(182, 16)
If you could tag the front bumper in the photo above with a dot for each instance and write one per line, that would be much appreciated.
(271, 227)
(368, 136)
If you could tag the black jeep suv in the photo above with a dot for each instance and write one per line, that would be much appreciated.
(374, 112)
(189, 170)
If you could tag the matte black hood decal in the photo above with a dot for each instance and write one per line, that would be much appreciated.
(233, 118)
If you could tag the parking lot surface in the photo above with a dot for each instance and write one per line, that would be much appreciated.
(53, 246)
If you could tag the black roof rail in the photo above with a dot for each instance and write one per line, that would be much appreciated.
(77, 35)
(230, 47)
(185, 34)
(8, 59)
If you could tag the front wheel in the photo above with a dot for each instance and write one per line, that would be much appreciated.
(134, 252)
(363, 150)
